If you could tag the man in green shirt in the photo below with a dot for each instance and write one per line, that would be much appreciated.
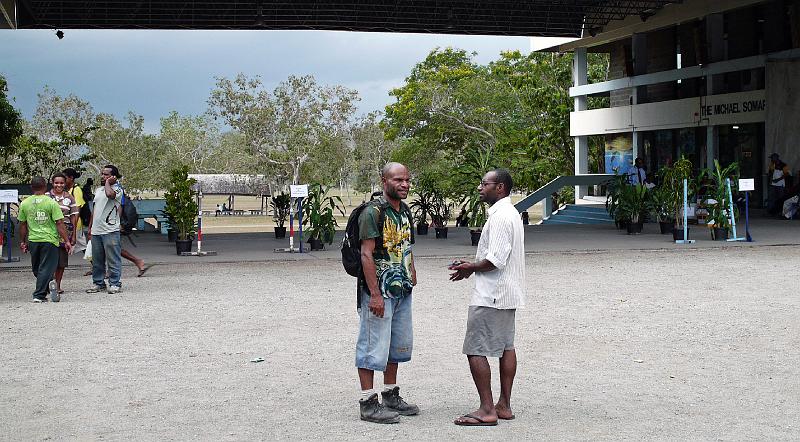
(41, 222)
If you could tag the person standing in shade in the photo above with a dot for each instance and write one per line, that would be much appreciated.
(499, 270)
(777, 174)
(104, 233)
(41, 223)
(77, 194)
(385, 336)
(70, 210)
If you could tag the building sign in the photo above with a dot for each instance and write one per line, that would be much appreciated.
(734, 107)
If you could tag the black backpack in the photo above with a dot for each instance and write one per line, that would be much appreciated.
(351, 243)
(129, 217)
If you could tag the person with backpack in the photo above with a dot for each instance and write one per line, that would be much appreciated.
(386, 280)
(104, 232)
(83, 210)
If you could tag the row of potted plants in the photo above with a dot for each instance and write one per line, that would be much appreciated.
(630, 205)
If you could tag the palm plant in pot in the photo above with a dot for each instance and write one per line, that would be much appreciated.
(441, 212)
(720, 212)
(672, 179)
(181, 207)
(319, 216)
(280, 208)
(615, 187)
(476, 210)
(634, 203)
(421, 208)
(660, 201)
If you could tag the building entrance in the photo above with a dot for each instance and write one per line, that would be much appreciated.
(744, 144)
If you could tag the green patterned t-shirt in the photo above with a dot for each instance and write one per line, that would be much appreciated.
(393, 260)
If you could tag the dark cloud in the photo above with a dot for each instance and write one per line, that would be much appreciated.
(154, 72)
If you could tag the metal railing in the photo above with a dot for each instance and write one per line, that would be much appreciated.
(545, 192)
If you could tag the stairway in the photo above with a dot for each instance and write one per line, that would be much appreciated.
(580, 214)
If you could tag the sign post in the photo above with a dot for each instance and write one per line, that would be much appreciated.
(199, 251)
(746, 185)
(296, 192)
(685, 239)
(7, 197)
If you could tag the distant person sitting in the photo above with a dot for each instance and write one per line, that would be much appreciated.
(219, 210)
(462, 220)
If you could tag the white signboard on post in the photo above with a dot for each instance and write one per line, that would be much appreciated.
(9, 196)
(747, 184)
(299, 190)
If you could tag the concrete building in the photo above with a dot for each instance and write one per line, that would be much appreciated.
(706, 79)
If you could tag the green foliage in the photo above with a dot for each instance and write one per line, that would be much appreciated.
(615, 187)
(514, 110)
(28, 156)
(288, 127)
(672, 180)
(634, 203)
(662, 203)
(441, 210)
(181, 206)
(281, 204)
(10, 119)
(720, 212)
(319, 213)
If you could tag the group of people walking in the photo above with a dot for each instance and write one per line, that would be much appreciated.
(385, 337)
(52, 228)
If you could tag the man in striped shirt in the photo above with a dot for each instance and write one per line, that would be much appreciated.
(499, 269)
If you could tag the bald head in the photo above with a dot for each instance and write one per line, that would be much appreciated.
(392, 167)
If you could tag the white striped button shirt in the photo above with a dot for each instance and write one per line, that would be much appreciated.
(503, 244)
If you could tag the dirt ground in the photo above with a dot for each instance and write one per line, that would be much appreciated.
(660, 345)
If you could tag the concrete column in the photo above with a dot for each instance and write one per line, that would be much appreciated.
(639, 95)
(579, 78)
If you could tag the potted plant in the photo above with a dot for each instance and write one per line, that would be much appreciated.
(421, 208)
(441, 212)
(319, 216)
(719, 213)
(280, 213)
(615, 187)
(181, 207)
(634, 202)
(476, 211)
(660, 201)
(672, 179)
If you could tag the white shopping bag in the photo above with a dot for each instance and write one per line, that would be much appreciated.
(88, 254)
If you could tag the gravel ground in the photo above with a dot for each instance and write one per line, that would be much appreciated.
(665, 345)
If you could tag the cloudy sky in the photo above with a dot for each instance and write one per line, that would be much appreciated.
(155, 72)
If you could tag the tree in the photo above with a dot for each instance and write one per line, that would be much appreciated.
(139, 156)
(462, 119)
(30, 156)
(74, 113)
(289, 126)
(10, 131)
(372, 150)
(190, 140)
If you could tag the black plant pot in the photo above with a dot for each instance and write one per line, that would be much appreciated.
(720, 234)
(171, 235)
(441, 232)
(677, 234)
(666, 227)
(316, 244)
(635, 228)
(280, 232)
(475, 236)
(183, 246)
(422, 229)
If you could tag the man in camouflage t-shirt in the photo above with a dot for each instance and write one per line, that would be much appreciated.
(385, 336)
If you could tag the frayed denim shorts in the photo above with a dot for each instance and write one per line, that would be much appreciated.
(384, 340)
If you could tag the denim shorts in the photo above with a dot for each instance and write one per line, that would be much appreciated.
(387, 339)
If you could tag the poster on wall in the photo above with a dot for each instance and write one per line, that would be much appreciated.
(619, 153)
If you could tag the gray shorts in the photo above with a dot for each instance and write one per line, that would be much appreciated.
(490, 331)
